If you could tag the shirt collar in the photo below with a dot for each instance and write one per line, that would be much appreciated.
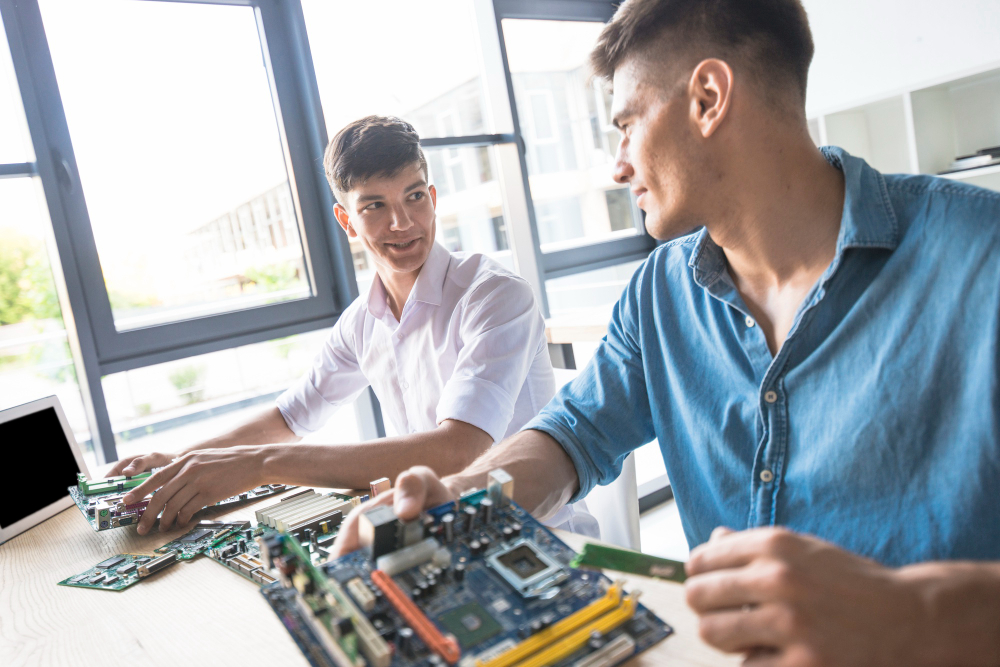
(428, 288)
(868, 220)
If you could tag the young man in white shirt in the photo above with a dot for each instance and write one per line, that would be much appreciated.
(453, 346)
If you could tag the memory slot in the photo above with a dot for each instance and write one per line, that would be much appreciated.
(302, 511)
(569, 645)
(306, 511)
(612, 653)
(611, 600)
(446, 647)
(265, 512)
(332, 519)
(296, 522)
(271, 515)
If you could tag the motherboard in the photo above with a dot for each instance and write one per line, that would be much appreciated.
(477, 583)
(101, 500)
(204, 536)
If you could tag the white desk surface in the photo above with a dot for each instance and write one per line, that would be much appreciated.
(196, 612)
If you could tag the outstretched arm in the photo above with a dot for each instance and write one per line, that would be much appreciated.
(544, 480)
(206, 476)
(267, 427)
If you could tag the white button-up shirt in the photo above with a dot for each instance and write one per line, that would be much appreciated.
(469, 345)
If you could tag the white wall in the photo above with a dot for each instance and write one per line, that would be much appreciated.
(867, 49)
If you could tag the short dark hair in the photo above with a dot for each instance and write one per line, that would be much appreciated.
(371, 146)
(770, 37)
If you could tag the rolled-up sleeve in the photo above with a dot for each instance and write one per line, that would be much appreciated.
(604, 413)
(501, 334)
(334, 379)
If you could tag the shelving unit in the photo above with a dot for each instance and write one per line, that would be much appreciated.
(922, 130)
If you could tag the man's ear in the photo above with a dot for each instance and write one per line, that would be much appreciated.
(434, 195)
(711, 92)
(344, 219)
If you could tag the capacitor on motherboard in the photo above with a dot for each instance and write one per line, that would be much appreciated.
(448, 521)
(475, 547)
(507, 532)
(470, 518)
(486, 509)
(404, 641)
(458, 572)
(485, 541)
(515, 529)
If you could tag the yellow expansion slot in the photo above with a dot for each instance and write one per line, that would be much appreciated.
(566, 647)
(547, 636)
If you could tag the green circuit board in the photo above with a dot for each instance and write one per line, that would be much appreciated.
(120, 571)
(204, 536)
(601, 556)
(101, 500)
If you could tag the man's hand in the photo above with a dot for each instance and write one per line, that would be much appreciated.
(196, 480)
(785, 599)
(416, 489)
(133, 465)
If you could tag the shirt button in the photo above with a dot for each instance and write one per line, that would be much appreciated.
(399, 336)
(766, 476)
(750, 321)
(404, 385)
(771, 396)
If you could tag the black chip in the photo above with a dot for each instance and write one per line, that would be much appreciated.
(127, 569)
(111, 562)
(196, 535)
(342, 574)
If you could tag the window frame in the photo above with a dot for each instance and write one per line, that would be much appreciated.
(586, 256)
(104, 349)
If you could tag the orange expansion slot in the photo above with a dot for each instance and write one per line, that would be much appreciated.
(446, 647)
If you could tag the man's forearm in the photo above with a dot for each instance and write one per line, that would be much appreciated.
(266, 428)
(961, 601)
(446, 449)
(544, 476)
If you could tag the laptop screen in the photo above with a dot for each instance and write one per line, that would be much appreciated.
(37, 455)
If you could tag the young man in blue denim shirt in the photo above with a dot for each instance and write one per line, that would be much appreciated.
(817, 353)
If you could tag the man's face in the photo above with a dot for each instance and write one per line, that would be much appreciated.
(656, 151)
(394, 219)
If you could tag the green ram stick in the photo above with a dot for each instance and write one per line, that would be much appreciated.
(633, 562)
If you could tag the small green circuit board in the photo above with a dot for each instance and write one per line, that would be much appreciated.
(633, 562)
(120, 571)
(204, 536)
(101, 500)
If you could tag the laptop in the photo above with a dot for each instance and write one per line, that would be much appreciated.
(42, 459)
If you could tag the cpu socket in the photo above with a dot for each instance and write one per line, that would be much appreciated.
(527, 568)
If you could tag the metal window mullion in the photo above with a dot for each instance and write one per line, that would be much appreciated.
(368, 411)
(14, 170)
(29, 51)
(512, 176)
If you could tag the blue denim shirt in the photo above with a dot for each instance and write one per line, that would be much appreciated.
(876, 426)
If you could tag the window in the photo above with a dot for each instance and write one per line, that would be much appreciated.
(173, 144)
(570, 144)
(183, 186)
(166, 407)
(423, 65)
(35, 357)
(15, 145)
(598, 289)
